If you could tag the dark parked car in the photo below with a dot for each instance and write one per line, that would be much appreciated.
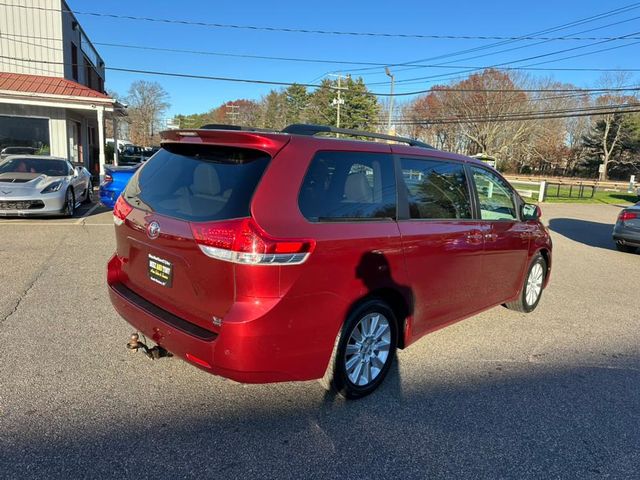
(626, 232)
(266, 257)
(133, 155)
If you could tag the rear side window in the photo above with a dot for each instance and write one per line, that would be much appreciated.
(436, 189)
(198, 182)
(341, 186)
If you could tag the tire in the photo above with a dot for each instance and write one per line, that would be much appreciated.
(89, 194)
(359, 363)
(69, 204)
(528, 299)
(625, 248)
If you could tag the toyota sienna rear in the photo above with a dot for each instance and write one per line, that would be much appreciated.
(266, 257)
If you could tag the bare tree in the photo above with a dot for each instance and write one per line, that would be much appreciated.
(612, 127)
(148, 102)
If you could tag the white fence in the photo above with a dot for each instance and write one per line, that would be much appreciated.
(536, 191)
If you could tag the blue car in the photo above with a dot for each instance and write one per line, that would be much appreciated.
(115, 179)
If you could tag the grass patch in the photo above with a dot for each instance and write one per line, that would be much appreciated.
(611, 198)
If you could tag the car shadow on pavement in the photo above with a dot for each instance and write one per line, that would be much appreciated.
(490, 421)
(91, 210)
(593, 234)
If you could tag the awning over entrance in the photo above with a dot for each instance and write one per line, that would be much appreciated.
(54, 92)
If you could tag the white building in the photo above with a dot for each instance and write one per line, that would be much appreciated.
(52, 84)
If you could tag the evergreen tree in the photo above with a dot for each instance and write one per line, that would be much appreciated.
(296, 99)
(273, 110)
(360, 109)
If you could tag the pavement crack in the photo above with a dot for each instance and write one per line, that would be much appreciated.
(34, 279)
(23, 295)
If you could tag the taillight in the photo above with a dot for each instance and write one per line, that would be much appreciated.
(242, 241)
(627, 215)
(107, 179)
(121, 210)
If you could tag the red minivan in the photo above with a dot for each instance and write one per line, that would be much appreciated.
(278, 256)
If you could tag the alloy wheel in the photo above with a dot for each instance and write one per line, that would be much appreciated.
(70, 203)
(368, 349)
(534, 284)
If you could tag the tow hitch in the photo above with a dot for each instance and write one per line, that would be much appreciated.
(153, 353)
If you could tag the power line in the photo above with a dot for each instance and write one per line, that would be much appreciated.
(594, 110)
(500, 67)
(303, 30)
(311, 85)
(553, 97)
(541, 116)
(304, 60)
(534, 57)
(564, 26)
(550, 117)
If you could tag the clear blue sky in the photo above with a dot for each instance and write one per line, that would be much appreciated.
(503, 18)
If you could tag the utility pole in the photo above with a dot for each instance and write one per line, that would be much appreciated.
(338, 101)
(393, 78)
(232, 112)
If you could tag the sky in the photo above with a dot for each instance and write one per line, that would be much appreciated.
(453, 17)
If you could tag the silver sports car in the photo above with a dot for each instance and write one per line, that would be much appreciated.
(39, 185)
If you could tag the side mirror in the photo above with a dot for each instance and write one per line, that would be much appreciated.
(76, 171)
(531, 211)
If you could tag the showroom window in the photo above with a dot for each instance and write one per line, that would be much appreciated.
(24, 132)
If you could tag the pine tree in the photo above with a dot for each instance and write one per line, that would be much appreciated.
(296, 99)
(360, 109)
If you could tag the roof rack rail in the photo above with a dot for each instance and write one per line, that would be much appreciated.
(222, 126)
(311, 130)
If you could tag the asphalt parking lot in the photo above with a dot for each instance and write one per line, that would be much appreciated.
(553, 394)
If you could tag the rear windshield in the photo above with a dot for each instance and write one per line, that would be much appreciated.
(198, 182)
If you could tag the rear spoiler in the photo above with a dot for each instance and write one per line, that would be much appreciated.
(127, 168)
(270, 143)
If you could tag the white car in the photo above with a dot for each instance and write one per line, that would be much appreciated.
(42, 185)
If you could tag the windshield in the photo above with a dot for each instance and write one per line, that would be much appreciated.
(52, 168)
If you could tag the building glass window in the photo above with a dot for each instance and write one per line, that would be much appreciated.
(74, 61)
(24, 132)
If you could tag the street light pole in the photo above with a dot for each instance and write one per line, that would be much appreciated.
(389, 74)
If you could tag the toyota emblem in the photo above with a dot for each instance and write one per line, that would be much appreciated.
(153, 230)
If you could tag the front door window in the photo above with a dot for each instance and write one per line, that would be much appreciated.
(494, 195)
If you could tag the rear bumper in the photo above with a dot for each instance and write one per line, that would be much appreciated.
(631, 240)
(626, 236)
(108, 196)
(250, 346)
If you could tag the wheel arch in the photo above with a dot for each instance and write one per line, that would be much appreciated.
(546, 254)
(395, 301)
